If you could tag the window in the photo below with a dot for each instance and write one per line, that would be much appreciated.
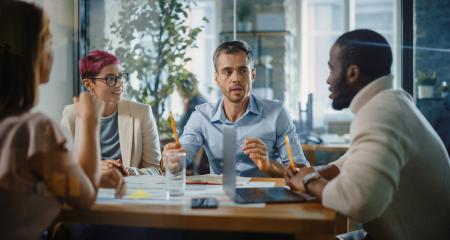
(201, 64)
(431, 56)
(291, 40)
(322, 22)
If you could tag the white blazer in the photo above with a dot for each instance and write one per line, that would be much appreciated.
(138, 135)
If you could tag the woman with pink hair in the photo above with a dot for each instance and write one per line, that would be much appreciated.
(128, 136)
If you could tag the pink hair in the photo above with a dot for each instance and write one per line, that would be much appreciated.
(92, 64)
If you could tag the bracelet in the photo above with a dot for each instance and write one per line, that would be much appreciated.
(310, 177)
(161, 166)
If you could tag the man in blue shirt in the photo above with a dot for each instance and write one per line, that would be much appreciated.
(261, 124)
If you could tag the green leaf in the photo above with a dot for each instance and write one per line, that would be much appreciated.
(158, 58)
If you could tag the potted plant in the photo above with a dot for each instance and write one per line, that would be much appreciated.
(151, 39)
(425, 84)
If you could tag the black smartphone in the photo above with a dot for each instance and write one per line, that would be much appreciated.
(204, 203)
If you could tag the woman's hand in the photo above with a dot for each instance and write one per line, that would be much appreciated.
(109, 163)
(88, 107)
(112, 178)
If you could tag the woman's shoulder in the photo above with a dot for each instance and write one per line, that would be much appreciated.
(32, 119)
(35, 128)
(43, 124)
(134, 107)
(134, 104)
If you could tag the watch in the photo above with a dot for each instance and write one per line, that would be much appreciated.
(308, 178)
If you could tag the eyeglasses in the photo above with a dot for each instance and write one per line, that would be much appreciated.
(111, 79)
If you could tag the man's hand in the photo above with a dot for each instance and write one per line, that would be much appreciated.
(108, 164)
(294, 178)
(257, 151)
(170, 147)
(112, 178)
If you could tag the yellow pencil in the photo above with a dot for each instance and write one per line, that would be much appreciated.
(286, 140)
(174, 128)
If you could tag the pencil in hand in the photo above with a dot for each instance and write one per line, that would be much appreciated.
(288, 146)
(174, 129)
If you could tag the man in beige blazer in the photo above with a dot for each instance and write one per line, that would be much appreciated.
(395, 177)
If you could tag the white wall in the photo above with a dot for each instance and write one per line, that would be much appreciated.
(58, 91)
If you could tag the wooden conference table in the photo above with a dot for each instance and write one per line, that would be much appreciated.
(302, 220)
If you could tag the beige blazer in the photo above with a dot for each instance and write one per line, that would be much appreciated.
(138, 135)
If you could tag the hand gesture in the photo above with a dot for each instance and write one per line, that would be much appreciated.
(112, 178)
(88, 106)
(294, 177)
(257, 151)
(170, 147)
(109, 163)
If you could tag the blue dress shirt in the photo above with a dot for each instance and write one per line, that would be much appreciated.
(264, 119)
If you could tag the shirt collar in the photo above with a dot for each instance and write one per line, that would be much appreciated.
(369, 91)
(254, 106)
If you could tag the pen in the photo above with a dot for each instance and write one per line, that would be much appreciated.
(286, 140)
(174, 128)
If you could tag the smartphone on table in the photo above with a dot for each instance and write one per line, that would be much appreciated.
(207, 202)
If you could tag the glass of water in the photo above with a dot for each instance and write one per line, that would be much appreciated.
(175, 173)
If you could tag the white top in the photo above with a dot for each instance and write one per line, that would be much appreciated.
(395, 177)
(27, 205)
(138, 135)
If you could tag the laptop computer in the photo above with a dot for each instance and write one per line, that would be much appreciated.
(250, 195)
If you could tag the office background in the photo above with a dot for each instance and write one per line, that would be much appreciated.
(291, 39)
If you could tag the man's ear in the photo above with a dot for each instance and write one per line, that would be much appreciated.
(216, 77)
(353, 74)
(253, 74)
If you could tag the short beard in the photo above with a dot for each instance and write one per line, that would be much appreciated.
(345, 93)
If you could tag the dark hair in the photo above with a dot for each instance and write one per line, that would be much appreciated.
(233, 47)
(21, 25)
(92, 64)
(368, 50)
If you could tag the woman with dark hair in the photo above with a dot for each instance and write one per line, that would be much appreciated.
(129, 137)
(37, 167)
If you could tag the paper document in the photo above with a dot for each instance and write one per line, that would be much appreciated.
(214, 179)
(152, 190)
(258, 185)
